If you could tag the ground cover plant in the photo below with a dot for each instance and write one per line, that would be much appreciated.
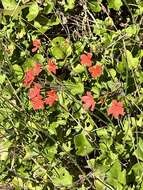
(71, 94)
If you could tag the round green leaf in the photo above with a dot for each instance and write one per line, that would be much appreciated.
(82, 145)
(33, 11)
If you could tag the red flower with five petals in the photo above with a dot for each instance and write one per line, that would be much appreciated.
(86, 59)
(88, 101)
(30, 74)
(35, 91)
(52, 66)
(116, 109)
(37, 102)
(28, 79)
(95, 71)
(52, 97)
(36, 43)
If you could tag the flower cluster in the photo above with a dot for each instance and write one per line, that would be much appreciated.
(37, 100)
(116, 108)
(96, 70)
(34, 95)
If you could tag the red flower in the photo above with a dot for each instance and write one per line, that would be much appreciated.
(30, 74)
(88, 101)
(37, 102)
(35, 97)
(37, 69)
(51, 97)
(28, 79)
(95, 71)
(86, 59)
(35, 91)
(52, 66)
(116, 109)
(36, 44)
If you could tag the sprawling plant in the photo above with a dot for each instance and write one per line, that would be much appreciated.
(71, 88)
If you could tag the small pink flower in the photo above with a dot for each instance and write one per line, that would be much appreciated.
(37, 102)
(52, 66)
(35, 91)
(95, 71)
(116, 109)
(52, 97)
(88, 101)
(86, 59)
(37, 69)
(28, 79)
(36, 45)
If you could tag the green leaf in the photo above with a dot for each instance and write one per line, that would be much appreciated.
(61, 48)
(4, 146)
(77, 88)
(51, 151)
(79, 68)
(115, 4)
(62, 177)
(57, 52)
(102, 133)
(96, 91)
(33, 11)
(108, 21)
(99, 28)
(2, 78)
(82, 188)
(139, 150)
(82, 145)
(128, 58)
(18, 71)
(132, 30)
(139, 11)
(5, 112)
(9, 4)
(39, 171)
(89, 124)
(69, 4)
(58, 41)
(138, 169)
(94, 6)
(28, 64)
(115, 169)
(91, 163)
(39, 58)
(115, 176)
(17, 183)
(30, 153)
(44, 24)
(52, 127)
(99, 185)
(100, 170)
(79, 47)
(49, 7)
(132, 62)
(122, 65)
(112, 73)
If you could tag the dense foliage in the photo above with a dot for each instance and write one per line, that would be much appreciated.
(71, 94)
